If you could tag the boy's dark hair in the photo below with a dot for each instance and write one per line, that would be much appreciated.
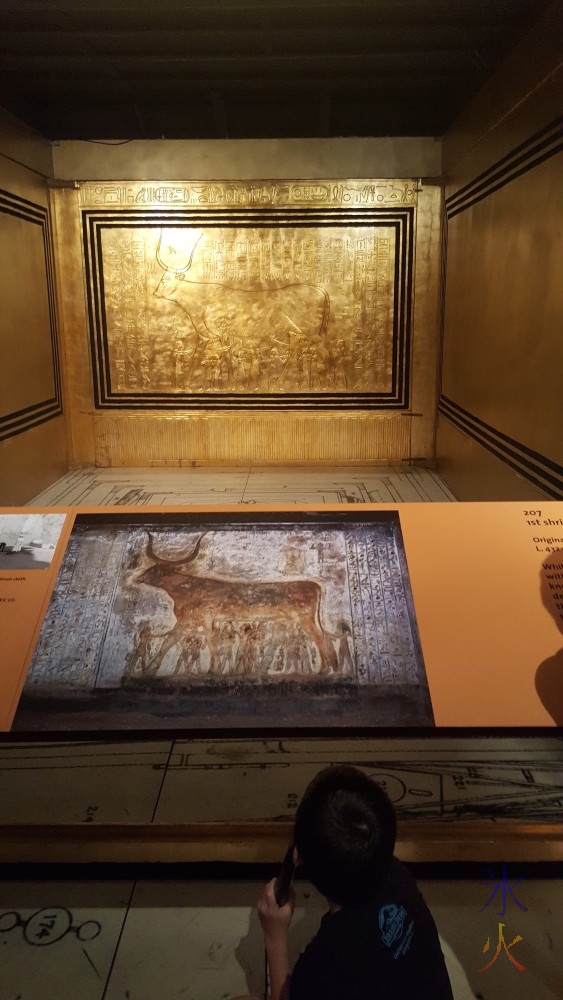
(345, 831)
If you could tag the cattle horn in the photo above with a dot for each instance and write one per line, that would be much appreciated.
(175, 248)
(183, 560)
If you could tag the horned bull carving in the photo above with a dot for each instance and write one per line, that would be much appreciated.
(237, 619)
(276, 313)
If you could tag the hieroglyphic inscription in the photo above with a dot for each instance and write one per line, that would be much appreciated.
(386, 645)
(127, 269)
(72, 635)
(329, 193)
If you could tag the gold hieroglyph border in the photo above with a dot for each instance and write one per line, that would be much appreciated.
(251, 194)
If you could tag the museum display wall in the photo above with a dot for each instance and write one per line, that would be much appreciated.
(128, 351)
(225, 321)
(358, 617)
(499, 424)
(468, 569)
(33, 446)
(34, 454)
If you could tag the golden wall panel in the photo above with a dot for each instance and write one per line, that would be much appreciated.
(473, 472)
(32, 461)
(426, 321)
(29, 361)
(503, 352)
(501, 406)
(257, 438)
(26, 342)
(311, 309)
(245, 312)
(73, 325)
(269, 294)
(33, 447)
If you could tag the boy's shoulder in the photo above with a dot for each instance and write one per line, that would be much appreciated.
(396, 905)
(385, 942)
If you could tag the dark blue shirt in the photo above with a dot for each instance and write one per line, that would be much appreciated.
(387, 949)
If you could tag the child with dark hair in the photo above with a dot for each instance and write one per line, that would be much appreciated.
(378, 940)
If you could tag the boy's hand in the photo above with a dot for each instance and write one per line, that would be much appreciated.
(275, 919)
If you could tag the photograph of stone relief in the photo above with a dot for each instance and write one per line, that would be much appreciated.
(292, 622)
(200, 313)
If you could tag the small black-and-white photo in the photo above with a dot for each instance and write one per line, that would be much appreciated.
(28, 541)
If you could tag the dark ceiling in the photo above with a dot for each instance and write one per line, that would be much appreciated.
(133, 69)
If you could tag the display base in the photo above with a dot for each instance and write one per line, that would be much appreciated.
(179, 709)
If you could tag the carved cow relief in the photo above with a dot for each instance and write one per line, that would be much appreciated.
(317, 614)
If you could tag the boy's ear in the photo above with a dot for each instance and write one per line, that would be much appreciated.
(296, 859)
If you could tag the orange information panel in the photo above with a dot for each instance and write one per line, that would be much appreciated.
(281, 617)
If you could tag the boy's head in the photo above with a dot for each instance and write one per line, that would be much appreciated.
(345, 835)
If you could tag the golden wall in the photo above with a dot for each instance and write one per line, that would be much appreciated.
(249, 321)
(501, 404)
(32, 430)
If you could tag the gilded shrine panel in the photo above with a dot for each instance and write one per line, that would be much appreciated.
(29, 364)
(291, 295)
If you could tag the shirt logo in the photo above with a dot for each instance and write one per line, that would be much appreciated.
(392, 920)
